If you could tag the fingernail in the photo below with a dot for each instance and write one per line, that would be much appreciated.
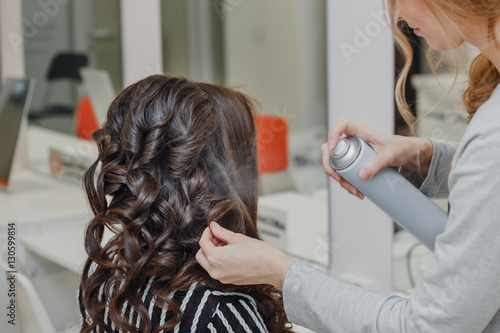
(365, 174)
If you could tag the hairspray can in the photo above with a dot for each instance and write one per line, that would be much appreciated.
(390, 191)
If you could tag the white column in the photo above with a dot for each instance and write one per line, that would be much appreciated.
(11, 41)
(141, 39)
(12, 63)
(360, 87)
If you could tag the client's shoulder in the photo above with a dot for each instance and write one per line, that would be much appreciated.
(207, 309)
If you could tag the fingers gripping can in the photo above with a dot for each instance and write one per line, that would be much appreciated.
(389, 191)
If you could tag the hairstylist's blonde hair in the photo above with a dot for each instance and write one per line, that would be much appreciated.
(483, 76)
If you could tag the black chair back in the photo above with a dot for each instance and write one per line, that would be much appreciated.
(66, 66)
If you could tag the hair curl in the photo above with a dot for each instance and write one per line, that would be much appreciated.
(483, 76)
(173, 156)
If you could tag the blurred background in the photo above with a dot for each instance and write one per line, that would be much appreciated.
(308, 62)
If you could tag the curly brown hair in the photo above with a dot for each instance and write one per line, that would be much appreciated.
(173, 155)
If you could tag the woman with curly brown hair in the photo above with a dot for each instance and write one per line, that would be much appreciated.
(460, 290)
(173, 155)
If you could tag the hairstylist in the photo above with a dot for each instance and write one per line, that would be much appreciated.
(461, 290)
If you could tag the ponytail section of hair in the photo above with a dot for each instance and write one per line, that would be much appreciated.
(483, 79)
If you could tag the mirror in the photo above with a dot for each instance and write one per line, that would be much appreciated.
(59, 38)
(276, 51)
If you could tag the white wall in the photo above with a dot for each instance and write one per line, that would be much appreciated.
(141, 39)
(360, 87)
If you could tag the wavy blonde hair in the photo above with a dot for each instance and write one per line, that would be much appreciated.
(483, 76)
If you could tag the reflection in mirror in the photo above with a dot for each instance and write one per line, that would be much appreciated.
(275, 51)
(174, 38)
(192, 40)
(437, 102)
(60, 37)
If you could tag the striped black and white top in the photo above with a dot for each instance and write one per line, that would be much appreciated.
(204, 310)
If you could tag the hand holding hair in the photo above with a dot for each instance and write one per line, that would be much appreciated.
(411, 153)
(237, 259)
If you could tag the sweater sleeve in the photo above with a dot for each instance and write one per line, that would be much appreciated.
(435, 184)
(459, 292)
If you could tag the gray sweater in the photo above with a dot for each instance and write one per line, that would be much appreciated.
(460, 292)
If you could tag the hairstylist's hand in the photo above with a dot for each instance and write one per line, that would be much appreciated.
(411, 153)
(237, 259)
